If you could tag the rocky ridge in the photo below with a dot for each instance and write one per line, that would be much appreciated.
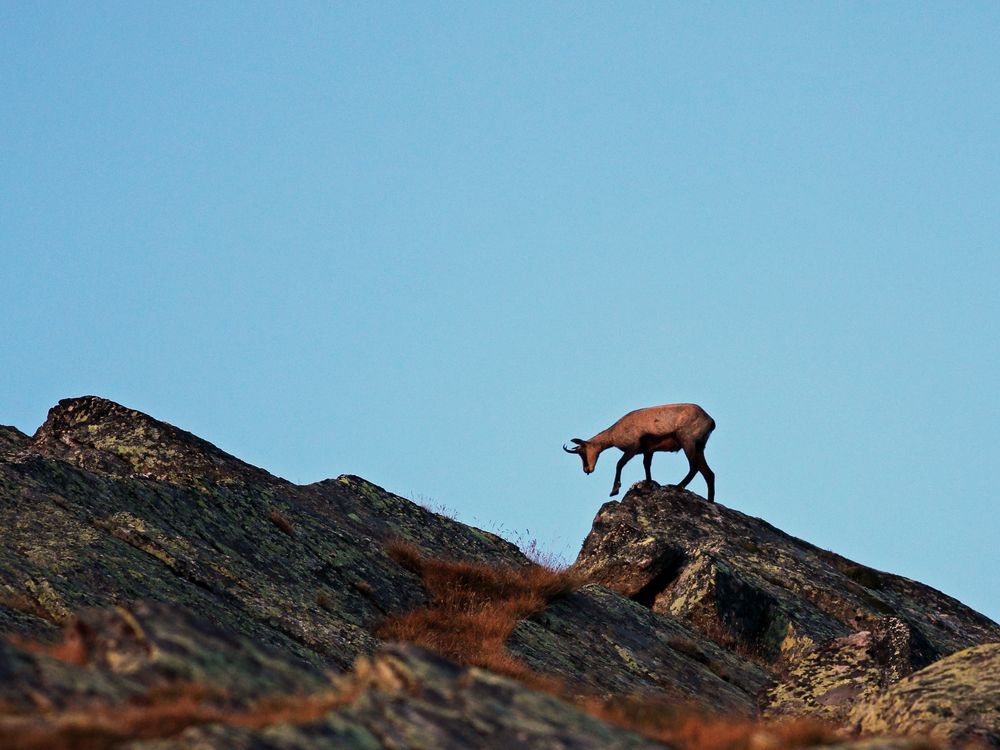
(137, 556)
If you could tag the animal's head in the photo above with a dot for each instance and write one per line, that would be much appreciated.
(587, 453)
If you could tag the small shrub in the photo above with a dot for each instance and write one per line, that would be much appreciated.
(278, 519)
(363, 587)
(162, 712)
(722, 634)
(474, 607)
(685, 729)
(435, 507)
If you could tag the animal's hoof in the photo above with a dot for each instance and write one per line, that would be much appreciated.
(614, 491)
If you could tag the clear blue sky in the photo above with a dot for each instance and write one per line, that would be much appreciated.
(428, 243)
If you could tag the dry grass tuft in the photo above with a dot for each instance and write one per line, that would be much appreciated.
(728, 639)
(71, 648)
(685, 729)
(23, 603)
(474, 607)
(278, 519)
(163, 712)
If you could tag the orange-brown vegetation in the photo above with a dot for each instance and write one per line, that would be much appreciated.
(276, 517)
(71, 648)
(23, 603)
(474, 607)
(685, 729)
(162, 712)
(726, 637)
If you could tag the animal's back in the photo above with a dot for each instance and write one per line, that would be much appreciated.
(689, 419)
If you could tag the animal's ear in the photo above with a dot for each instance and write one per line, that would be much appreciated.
(578, 441)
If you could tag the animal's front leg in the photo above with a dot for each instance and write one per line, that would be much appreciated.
(626, 457)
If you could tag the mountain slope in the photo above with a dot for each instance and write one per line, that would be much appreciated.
(107, 505)
(138, 558)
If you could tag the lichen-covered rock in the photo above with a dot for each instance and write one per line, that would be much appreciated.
(408, 698)
(752, 586)
(600, 643)
(114, 654)
(955, 700)
(400, 697)
(107, 505)
(108, 438)
(828, 681)
(136, 556)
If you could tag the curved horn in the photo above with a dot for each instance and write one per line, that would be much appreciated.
(570, 450)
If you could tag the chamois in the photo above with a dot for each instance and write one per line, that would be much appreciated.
(672, 427)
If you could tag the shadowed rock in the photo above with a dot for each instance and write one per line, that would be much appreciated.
(600, 643)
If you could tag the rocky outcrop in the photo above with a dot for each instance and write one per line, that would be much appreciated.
(107, 505)
(833, 633)
(12, 440)
(741, 579)
(955, 700)
(111, 655)
(137, 558)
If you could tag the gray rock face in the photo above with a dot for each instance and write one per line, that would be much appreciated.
(399, 697)
(600, 643)
(114, 654)
(744, 581)
(407, 698)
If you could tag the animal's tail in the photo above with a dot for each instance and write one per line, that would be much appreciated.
(704, 440)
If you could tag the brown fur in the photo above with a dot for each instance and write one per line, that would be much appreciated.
(670, 428)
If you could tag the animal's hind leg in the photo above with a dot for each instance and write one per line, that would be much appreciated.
(687, 480)
(692, 458)
(709, 478)
(626, 457)
(647, 464)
